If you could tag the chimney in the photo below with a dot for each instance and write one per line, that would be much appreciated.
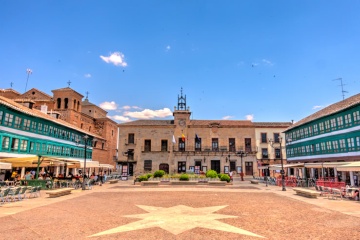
(44, 108)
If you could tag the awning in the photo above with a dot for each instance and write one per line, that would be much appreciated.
(354, 166)
(278, 166)
(325, 164)
(33, 161)
(107, 166)
(5, 165)
(89, 164)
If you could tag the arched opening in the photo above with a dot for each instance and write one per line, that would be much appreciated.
(58, 101)
(66, 103)
(165, 167)
(74, 107)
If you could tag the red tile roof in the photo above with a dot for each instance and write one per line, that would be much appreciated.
(329, 110)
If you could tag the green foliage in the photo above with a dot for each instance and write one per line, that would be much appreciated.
(148, 175)
(159, 173)
(143, 178)
(184, 177)
(211, 174)
(219, 175)
(225, 177)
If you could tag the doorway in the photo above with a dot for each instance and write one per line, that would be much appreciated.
(215, 165)
(249, 168)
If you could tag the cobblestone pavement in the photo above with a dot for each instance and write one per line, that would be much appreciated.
(127, 211)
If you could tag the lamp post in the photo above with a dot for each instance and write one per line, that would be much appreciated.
(282, 172)
(241, 154)
(85, 137)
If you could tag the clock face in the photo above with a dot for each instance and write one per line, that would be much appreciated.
(182, 122)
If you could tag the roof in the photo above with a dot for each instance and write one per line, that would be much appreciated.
(67, 89)
(219, 123)
(9, 90)
(148, 123)
(272, 124)
(329, 110)
(37, 113)
(47, 96)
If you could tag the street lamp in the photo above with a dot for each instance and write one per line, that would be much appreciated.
(241, 154)
(271, 142)
(85, 137)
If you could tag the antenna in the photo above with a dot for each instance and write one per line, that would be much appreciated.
(342, 87)
(28, 71)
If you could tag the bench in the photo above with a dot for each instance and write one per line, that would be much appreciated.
(112, 181)
(150, 183)
(59, 192)
(254, 181)
(183, 183)
(217, 183)
(306, 192)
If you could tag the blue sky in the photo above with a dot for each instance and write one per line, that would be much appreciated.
(260, 60)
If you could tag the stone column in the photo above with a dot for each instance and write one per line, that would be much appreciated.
(352, 178)
(22, 174)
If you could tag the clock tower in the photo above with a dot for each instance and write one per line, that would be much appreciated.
(181, 112)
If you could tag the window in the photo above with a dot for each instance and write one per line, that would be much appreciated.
(181, 145)
(315, 129)
(232, 145)
(58, 101)
(307, 148)
(333, 124)
(131, 138)
(310, 131)
(327, 125)
(8, 121)
(23, 145)
(40, 125)
(14, 144)
(358, 142)
(302, 133)
(164, 145)
(248, 145)
(323, 146)
(17, 122)
(347, 120)
(46, 129)
(276, 137)
(5, 143)
(66, 102)
(33, 126)
(26, 125)
(351, 144)
(215, 144)
(340, 122)
(147, 165)
(51, 130)
(181, 167)
(342, 144)
(32, 147)
(264, 152)
(317, 147)
(1, 116)
(335, 145)
(277, 153)
(321, 127)
(328, 145)
(147, 145)
(356, 116)
(263, 138)
(306, 133)
(198, 144)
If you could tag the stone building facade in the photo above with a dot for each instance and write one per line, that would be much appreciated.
(183, 144)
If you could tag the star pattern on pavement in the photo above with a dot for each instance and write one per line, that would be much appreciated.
(178, 219)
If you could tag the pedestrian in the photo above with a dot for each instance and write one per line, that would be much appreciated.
(231, 176)
(101, 178)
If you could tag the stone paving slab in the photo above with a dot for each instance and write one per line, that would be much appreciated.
(119, 212)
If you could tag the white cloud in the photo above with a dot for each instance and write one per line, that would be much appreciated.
(267, 62)
(249, 117)
(116, 58)
(88, 75)
(120, 118)
(168, 48)
(130, 107)
(227, 117)
(108, 105)
(149, 114)
(317, 107)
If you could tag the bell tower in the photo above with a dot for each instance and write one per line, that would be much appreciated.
(181, 113)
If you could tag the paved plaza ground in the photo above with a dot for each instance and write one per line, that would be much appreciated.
(126, 211)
